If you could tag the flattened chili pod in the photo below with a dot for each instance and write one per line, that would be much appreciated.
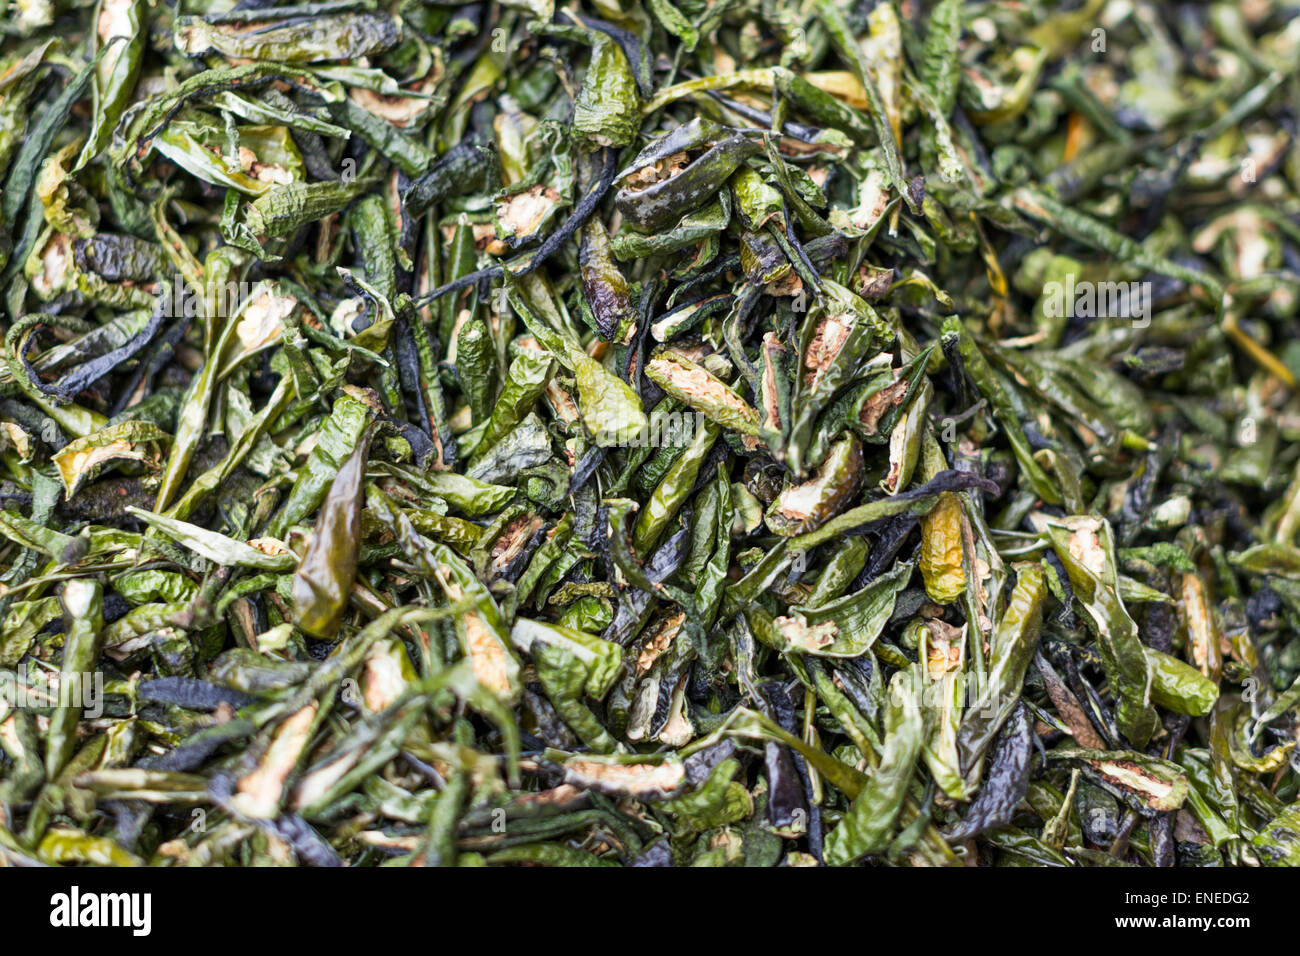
(653, 198)
(1049, 384)
(845, 563)
(481, 629)
(823, 107)
(339, 435)
(988, 383)
(116, 74)
(756, 201)
(215, 476)
(35, 144)
(941, 550)
(342, 37)
(805, 507)
(869, 823)
(847, 626)
(323, 581)
(117, 258)
(610, 409)
(939, 66)
(847, 45)
(467, 167)
(1145, 783)
(83, 604)
(696, 387)
(525, 383)
(906, 438)
(840, 331)
(673, 490)
(405, 152)
(285, 209)
(1278, 842)
(1178, 686)
(686, 316)
(774, 394)
(476, 368)
(1007, 781)
(1086, 547)
(942, 649)
(607, 108)
(601, 659)
(462, 535)
(695, 229)
(1012, 648)
(372, 233)
(690, 135)
(765, 264)
(570, 665)
(604, 285)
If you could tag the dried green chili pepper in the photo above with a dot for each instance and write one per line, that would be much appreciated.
(870, 818)
(654, 205)
(605, 109)
(1007, 782)
(342, 37)
(339, 435)
(1010, 651)
(322, 583)
(83, 606)
(1086, 548)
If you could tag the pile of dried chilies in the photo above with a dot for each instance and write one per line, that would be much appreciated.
(664, 433)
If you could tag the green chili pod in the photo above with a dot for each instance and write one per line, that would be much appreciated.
(339, 436)
(606, 108)
(83, 604)
(1013, 646)
(869, 822)
(322, 583)
(1178, 686)
(1087, 549)
(656, 206)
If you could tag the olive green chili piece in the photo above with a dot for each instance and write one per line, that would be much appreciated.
(323, 581)
(84, 610)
